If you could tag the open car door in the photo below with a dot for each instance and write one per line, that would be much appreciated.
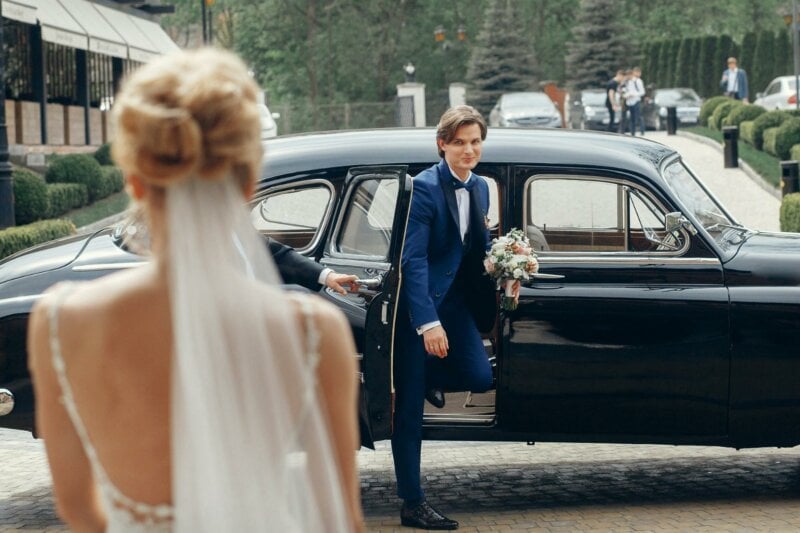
(367, 241)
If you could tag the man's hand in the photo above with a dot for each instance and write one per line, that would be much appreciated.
(337, 282)
(435, 340)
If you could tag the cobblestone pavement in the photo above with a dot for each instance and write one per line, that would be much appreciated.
(516, 487)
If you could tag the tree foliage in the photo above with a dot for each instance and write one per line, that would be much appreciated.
(763, 67)
(600, 44)
(501, 61)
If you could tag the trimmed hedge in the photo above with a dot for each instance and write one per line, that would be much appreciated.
(770, 119)
(78, 168)
(708, 107)
(114, 179)
(65, 197)
(788, 135)
(743, 113)
(794, 153)
(13, 240)
(746, 129)
(790, 213)
(103, 155)
(722, 111)
(770, 137)
(30, 196)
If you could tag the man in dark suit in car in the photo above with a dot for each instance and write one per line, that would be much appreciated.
(297, 269)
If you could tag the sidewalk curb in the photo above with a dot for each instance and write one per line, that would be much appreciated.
(747, 169)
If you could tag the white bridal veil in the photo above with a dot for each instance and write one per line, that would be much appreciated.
(250, 446)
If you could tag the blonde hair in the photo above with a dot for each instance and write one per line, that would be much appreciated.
(454, 118)
(192, 113)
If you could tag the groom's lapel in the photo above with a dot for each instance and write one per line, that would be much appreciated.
(446, 182)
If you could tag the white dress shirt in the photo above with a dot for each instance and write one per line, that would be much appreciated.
(462, 200)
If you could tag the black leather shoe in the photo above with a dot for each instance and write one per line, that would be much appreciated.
(423, 516)
(436, 397)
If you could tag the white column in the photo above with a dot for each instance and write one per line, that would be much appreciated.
(417, 91)
(458, 94)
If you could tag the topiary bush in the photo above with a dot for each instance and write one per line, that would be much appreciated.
(770, 119)
(709, 106)
(77, 168)
(103, 155)
(794, 153)
(742, 113)
(113, 177)
(722, 111)
(770, 136)
(30, 196)
(790, 213)
(746, 131)
(787, 136)
(65, 197)
(13, 240)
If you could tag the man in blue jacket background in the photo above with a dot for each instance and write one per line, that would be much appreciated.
(734, 81)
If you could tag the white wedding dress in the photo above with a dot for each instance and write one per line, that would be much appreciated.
(250, 443)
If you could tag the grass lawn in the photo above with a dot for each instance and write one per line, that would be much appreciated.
(116, 203)
(767, 166)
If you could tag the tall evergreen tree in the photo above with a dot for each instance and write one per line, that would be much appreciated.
(783, 55)
(600, 44)
(763, 63)
(682, 62)
(502, 60)
(748, 51)
(708, 72)
(691, 69)
(654, 63)
(664, 73)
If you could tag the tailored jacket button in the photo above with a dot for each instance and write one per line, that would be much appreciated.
(437, 295)
(449, 272)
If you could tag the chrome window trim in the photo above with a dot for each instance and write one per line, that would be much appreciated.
(107, 266)
(607, 179)
(628, 259)
(304, 184)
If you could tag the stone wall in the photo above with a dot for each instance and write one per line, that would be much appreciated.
(55, 124)
(11, 122)
(75, 123)
(28, 131)
(97, 126)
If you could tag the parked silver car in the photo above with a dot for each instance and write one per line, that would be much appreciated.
(685, 100)
(781, 93)
(525, 110)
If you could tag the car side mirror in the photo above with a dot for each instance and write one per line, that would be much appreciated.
(675, 221)
(759, 95)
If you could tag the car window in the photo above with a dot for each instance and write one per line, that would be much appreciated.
(367, 225)
(293, 216)
(773, 88)
(588, 214)
(493, 215)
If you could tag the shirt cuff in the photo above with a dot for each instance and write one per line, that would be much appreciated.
(425, 327)
(324, 275)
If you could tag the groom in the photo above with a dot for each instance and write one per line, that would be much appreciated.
(445, 298)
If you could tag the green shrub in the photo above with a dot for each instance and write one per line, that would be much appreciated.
(30, 196)
(13, 240)
(722, 111)
(709, 106)
(790, 213)
(770, 136)
(65, 197)
(103, 155)
(114, 179)
(746, 131)
(788, 135)
(794, 153)
(770, 119)
(743, 113)
(78, 168)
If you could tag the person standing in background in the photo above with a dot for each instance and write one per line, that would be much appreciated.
(612, 98)
(634, 91)
(734, 81)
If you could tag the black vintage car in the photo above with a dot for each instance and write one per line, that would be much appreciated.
(658, 318)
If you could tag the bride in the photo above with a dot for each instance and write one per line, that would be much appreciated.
(192, 393)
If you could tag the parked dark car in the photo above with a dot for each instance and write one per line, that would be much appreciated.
(588, 110)
(525, 110)
(658, 318)
(686, 102)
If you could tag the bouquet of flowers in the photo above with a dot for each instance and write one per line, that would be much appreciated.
(508, 260)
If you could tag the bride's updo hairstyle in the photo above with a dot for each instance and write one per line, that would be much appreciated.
(189, 114)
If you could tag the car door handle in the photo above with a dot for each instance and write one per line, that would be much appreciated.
(542, 275)
(371, 283)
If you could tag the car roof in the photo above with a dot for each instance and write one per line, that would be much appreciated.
(541, 147)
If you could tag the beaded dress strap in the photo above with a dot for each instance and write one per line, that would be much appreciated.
(148, 513)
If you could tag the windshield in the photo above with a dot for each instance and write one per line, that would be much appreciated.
(670, 97)
(526, 100)
(593, 98)
(696, 199)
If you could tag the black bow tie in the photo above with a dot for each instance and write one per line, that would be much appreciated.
(458, 184)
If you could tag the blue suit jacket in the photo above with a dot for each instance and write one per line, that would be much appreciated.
(433, 250)
(741, 83)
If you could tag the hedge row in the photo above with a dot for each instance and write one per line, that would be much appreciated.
(66, 197)
(790, 213)
(19, 238)
(79, 168)
(709, 106)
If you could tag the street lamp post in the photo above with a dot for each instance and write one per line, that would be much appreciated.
(6, 180)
